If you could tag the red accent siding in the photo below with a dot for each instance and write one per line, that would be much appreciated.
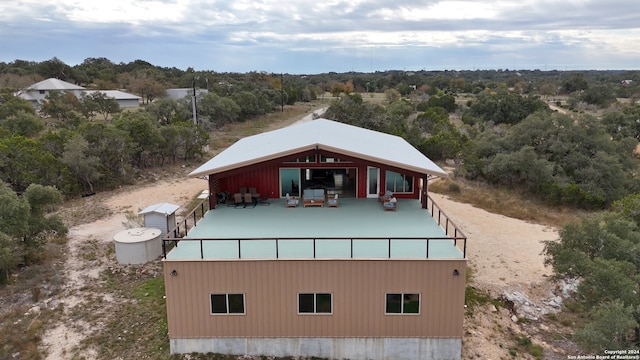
(265, 177)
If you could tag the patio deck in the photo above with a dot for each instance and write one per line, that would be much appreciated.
(358, 228)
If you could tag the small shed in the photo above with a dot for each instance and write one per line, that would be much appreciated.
(160, 216)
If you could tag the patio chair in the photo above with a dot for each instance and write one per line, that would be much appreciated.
(290, 201)
(243, 190)
(248, 200)
(385, 196)
(390, 205)
(333, 202)
(237, 199)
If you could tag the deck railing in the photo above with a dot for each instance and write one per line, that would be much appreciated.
(182, 228)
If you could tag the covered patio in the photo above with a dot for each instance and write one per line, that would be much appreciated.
(358, 229)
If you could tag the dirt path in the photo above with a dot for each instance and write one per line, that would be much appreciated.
(62, 341)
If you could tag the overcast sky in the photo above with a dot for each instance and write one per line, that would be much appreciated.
(310, 37)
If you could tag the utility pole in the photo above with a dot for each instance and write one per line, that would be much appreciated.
(193, 102)
(282, 91)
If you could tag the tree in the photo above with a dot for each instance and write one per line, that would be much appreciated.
(60, 105)
(218, 110)
(586, 168)
(54, 68)
(576, 82)
(24, 226)
(147, 83)
(444, 101)
(83, 166)
(611, 327)
(13, 105)
(600, 95)
(24, 161)
(23, 123)
(164, 110)
(144, 134)
(502, 107)
(114, 148)
(603, 251)
(102, 104)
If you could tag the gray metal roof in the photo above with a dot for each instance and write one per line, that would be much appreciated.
(116, 94)
(54, 84)
(326, 135)
(161, 208)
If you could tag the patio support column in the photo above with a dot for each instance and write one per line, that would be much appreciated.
(423, 195)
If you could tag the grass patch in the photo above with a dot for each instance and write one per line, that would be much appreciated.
(525, 344)
(136, 326)
(474, 297)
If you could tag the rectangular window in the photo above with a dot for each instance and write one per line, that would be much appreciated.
(402, 304)
(227, 304)
(304, 159)
(330, 159)
(314, 303)
(399, 183)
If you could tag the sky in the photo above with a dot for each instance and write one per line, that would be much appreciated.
(313, 37)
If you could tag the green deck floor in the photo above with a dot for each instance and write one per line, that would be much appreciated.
(332, 228)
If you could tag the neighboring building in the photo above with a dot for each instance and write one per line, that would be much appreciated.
(181, 93)
(352, 281)
(125, 100)
(38, 92)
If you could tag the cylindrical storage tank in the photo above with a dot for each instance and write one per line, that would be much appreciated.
(138, 245)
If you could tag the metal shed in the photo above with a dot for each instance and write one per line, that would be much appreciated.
(160, 216)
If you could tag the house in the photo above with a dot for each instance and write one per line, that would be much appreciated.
(38, 92)
(125, 100)
(354, 281)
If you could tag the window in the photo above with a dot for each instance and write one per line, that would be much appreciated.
(327, 159)
(402, 304)
(227, 304)
(304, 159)
(314, 303)
(399, 183)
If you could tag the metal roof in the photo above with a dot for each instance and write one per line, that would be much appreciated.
(161, 208)
(116, 94)
(325, 135)
(54, 84)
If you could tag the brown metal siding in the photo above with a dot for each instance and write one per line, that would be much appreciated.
(358, 288)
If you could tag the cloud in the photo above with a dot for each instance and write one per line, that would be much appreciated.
(330, 35)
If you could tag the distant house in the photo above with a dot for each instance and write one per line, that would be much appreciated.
(38, 92)
(352, 281)
(125, 100)
(181, 93)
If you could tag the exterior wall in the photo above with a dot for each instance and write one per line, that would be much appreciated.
(160, 221)
(266, 177)
(358, 288)
(128, 103)
(332, 348)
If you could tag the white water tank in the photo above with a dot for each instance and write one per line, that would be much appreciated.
(138, 245)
